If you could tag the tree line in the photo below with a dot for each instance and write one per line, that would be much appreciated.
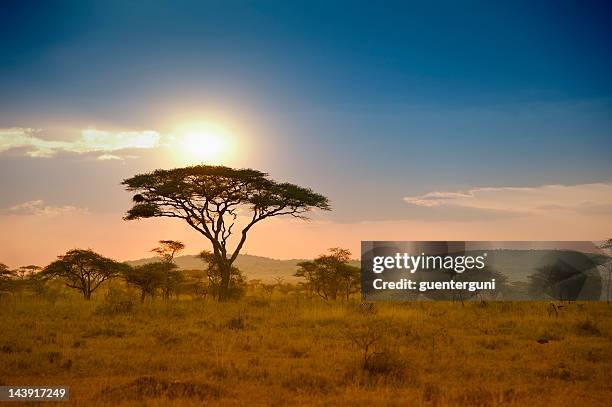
(328, 276)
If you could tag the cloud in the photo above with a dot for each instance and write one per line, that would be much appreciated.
(37, 207)
(91, 140)
(583, 198)
(435, 198)
(106, 157)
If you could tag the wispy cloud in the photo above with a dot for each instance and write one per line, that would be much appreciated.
(39, 208)
(582, 198)
(106, 157)
(436, 198)
(91, 140)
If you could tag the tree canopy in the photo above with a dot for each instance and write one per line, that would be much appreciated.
(209, 199)
(84, 270)
(168, 249)
(567, 276)
(149, 277)
(6, 274)
(330, 275)
(173, 277)
(27, 271)
(5, 271)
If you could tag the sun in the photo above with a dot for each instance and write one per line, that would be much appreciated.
(208, 143)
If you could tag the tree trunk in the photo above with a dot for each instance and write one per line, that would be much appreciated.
(87, 295)
(225, 270)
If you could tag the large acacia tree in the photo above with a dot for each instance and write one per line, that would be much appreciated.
(210, 198)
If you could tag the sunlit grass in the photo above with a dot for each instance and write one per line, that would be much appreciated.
(307, 352)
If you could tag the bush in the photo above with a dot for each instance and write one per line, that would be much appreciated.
(587, 327)
(386, 364)
(116, 301)
(145, 387)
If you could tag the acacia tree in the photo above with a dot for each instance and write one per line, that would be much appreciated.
(148, 277)
(27, 271)
(209, 199)
(6, 275)
(607, 246)
(168, 249)
(567, 276)
(330, 274)
(84, 270)
(173, 277)
(5, 272)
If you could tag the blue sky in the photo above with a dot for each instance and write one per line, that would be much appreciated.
(367, 103)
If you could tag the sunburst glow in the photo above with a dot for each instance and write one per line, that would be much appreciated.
(205, 143)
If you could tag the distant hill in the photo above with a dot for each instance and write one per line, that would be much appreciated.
(517, 265)
(255, 267)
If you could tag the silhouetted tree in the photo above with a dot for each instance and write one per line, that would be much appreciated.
(148, 278)
(26, 271)
(37, 283)
(566, 276)
(167, 250)
(330, 275)
(5, 271)
(209, 199)
(607, 246)
(237, 282)
(6, 276)
(84, 270)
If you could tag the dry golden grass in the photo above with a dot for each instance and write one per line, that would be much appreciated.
(305, 352)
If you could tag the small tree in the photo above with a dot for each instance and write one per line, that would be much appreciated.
(24, 272)
(6, 272)
(237, 282)
(167, 250)
(330, 275)
(607, 246)
(268, 289)
(148, 278)
(37, 283)
(84, 270)
(209, 199)
(6, 278)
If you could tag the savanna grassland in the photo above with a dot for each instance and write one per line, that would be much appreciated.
(289, 350)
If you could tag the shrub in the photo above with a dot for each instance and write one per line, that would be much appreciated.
(237, 323)
(151, 387)
(587, 327)
(116, 301)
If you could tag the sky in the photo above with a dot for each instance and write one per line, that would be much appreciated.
(419, 120)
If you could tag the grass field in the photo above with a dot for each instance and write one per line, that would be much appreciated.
(299, 351)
